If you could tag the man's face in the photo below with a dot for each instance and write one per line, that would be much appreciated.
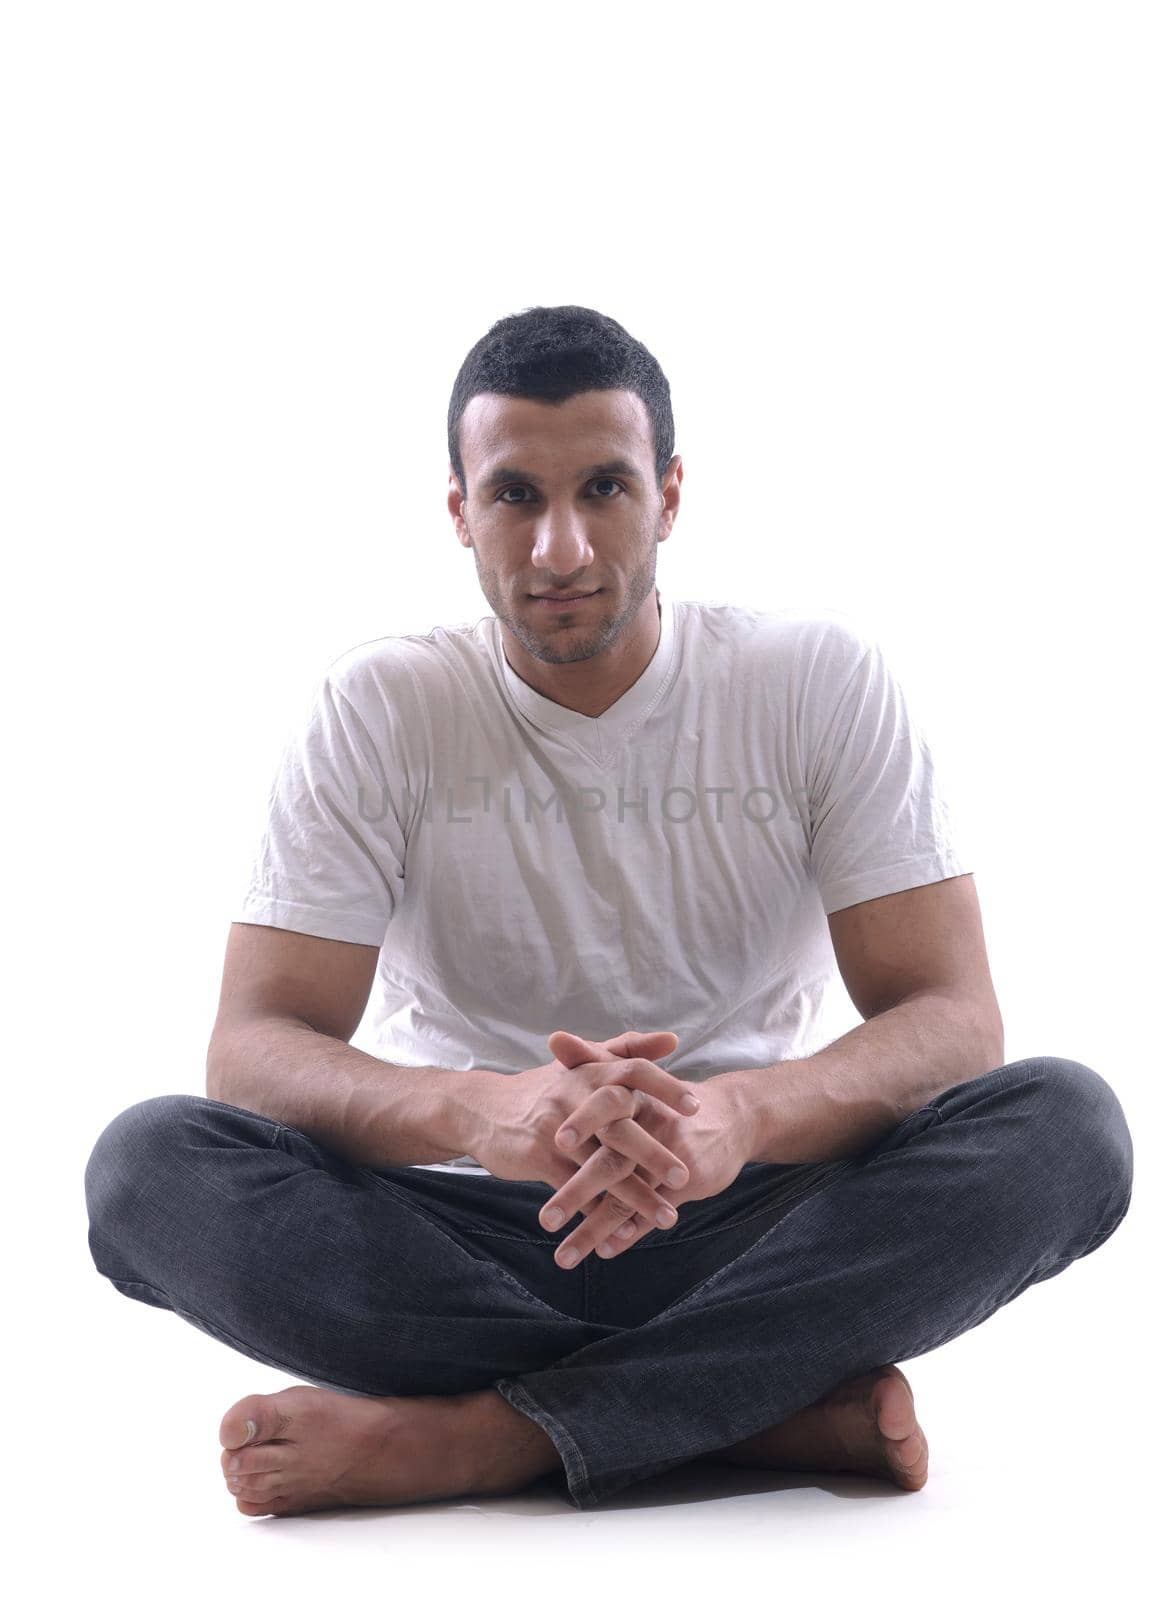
(541, 518)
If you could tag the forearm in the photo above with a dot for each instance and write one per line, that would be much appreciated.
(367, 1111)
(839, 1102)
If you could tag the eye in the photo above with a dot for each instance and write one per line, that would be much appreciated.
(511, 486)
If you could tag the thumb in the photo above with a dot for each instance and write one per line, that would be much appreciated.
(660, 1042)
(572, 1050)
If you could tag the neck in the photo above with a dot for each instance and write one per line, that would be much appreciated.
(590, 687)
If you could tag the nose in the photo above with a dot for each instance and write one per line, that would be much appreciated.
(561, 547)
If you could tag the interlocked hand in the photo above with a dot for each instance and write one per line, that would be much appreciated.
(516, 1116)
(711, 1148)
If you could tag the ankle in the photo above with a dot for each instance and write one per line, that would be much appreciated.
(510, 1449)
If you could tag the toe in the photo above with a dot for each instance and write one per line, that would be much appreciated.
(254, 1458)
(252, 1508)
(909, 1452)
(891, 1371)
(250, 1421)
(260, 1491)
(908, 1460)
(894, 1407)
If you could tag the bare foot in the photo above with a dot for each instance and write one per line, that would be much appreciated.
(314, 1449)
(866, 1424)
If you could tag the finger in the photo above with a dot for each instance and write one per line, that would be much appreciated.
(602, 1225)
(601, 1222)
(574, 1051)
(628, 1192)
(562, 1172)
(638, 1073)
(563, 1168)
(654, 1206)
(626, 1135)
(571, 1050)
(599, 1171)
(634, 1044)
(608, 1103)
(625, 1236)
(603, 1106)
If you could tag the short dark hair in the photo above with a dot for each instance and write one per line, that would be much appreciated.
(551, 353)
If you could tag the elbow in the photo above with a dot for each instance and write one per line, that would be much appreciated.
(979, 1028)
(216, 1068)
(988, 1030)
(997, 1048)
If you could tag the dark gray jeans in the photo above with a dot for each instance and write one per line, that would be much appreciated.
(758, 1301)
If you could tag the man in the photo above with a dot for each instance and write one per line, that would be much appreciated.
(598, 851)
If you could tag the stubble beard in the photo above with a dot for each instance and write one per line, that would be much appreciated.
(575, 644)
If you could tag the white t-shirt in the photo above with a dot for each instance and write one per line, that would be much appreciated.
(523, 867)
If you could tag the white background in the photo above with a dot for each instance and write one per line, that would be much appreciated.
(903, 266)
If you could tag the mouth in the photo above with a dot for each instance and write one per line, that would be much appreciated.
(564, 603)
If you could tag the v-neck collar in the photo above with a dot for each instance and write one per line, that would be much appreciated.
(598, 737)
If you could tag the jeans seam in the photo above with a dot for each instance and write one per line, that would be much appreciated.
(232, 1341)
(706, 1283)
(647, 1243)
(455, 1238)
(1101, 1235)
(405, 1199)
(370, 1172)
(575, 1468)
(812, 1184)
(257, 1117)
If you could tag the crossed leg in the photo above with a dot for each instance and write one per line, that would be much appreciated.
(314, 1449)
(1032, 1162)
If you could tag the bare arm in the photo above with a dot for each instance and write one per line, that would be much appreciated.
(916, 966)
(288, 1006)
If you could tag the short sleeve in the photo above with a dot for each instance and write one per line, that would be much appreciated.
(879, 822)
(331, 859)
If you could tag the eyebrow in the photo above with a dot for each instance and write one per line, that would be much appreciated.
(603, 469)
